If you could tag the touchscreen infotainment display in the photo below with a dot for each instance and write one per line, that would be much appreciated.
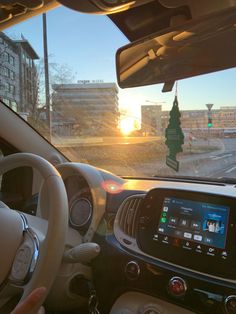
(189, 229)
(194, 222)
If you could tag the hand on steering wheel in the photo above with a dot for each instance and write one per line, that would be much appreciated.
(30, 302)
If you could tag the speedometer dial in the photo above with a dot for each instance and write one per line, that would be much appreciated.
(80, 212)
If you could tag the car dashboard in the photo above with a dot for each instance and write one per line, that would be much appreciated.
(166, 246)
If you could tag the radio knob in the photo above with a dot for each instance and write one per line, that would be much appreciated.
(230, 304)
(177, 287)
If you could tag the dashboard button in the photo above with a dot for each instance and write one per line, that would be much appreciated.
(198, 248)
(187, 245)
(156, 237)
(211, 251)
(177, 287)
(165, 239)
(132, 270)
(224, 255)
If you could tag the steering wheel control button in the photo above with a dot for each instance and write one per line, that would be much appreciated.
(132, 270)
(230, 304)
(177, 287)
(25, 258)
(22, 263)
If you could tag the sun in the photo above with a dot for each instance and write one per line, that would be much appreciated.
(127, 125)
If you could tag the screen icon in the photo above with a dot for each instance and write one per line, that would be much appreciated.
(178, 233)
(208, 240)
(195, 225)
(173, 221)
(163, 219)
(187, 235)
(197, 237)
(184, 222)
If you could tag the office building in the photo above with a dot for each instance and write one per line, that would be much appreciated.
(92, 105)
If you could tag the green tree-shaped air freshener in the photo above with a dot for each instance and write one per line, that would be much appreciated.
(174, 136)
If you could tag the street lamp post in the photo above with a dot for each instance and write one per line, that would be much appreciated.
(46, 73)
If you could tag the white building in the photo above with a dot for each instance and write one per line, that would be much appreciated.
(93, 106)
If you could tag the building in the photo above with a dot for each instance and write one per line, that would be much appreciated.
(151, 119)
(155, 121)
(92, 105)
(196, 121)
(18, 74)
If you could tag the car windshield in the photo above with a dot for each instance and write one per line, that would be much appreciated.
(129, 132)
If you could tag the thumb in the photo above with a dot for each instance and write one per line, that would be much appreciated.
(30, 302)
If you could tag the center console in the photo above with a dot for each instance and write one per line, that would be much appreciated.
(178, 246)
(196, 231)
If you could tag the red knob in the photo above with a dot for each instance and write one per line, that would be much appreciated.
(177, 287)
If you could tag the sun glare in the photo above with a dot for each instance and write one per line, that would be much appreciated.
(127, 125)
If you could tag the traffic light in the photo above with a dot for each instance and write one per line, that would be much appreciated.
(209, 124)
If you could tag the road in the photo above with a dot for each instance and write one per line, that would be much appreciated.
(218, 164)
(103, 141)
(227, 169)
(147, 155)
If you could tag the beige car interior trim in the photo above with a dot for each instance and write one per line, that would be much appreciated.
(53, 245)
(139, 303)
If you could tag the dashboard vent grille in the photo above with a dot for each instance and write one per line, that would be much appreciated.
(128, 215)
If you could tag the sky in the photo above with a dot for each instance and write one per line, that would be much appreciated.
(88, 44)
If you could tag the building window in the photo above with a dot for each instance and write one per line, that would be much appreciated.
(12, 89)
(14, 106)
(6, 87)
(12, 75)
(12, 60)
(5, 56)
(6, 101)
(5, 71)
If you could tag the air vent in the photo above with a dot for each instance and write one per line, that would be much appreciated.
(128, 214)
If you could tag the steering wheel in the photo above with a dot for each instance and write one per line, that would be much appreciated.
(31, 247)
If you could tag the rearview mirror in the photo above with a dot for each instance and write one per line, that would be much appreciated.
(197, 47)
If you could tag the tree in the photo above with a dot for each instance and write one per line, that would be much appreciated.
(61, 73)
